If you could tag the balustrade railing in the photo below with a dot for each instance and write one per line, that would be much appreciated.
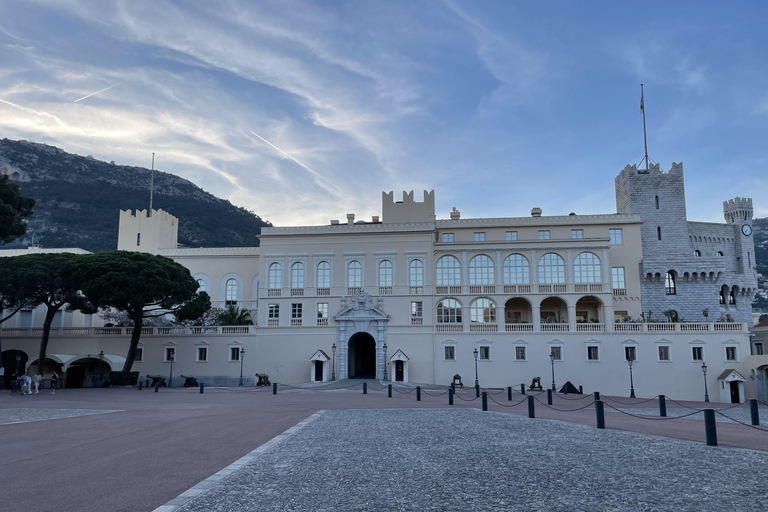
(483, 328)
(518, 327)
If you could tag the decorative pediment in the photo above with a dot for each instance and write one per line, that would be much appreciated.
(399, 356)
(361, 308)
(731, 375)
(320, 356)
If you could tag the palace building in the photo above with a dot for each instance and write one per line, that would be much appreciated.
(411, 297)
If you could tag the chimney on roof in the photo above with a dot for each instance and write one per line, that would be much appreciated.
(350, 218)
(334, 222)
(455, 214)
(375, 219)
(536, 212)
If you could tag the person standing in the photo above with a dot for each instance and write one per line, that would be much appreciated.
(25, 381)
(36, 381)
(54, 382)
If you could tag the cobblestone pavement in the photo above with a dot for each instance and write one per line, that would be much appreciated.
(24, 415)
(464, 459)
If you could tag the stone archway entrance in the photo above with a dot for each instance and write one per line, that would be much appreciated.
(362, 356)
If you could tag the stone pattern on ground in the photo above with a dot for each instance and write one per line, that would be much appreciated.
(464, 459)
(23, 415)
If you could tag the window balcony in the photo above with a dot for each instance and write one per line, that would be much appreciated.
(274, 292)
(296, 322)
(449, 328)
(323, 291)
(273, 322)
(619, 292)
(385, 290)
(322, 322)
(417, 320)
(517, 288)
(352, 290)
(416, 290)
(297, 292)
(452, 290)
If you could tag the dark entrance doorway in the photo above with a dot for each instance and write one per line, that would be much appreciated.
(362, 356)
(734, 392)
(318, 371)
(399, 371)
(12, 366)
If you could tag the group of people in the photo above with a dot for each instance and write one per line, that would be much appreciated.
(28, 384)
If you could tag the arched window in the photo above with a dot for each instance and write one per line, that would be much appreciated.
(385, 273)
(551, 269)
(275, 276)
(201, 286)
(297, 275)
(669, 284)
(482, 311)
(586, 268)
(481, 270)
(673, 316)
(231, 292)
(323, 274)
(416, 273)
(355, 274)
(448, 311)
(657, 202)
(732, 296)
(722, 295)
(697, 253)
(658, 233)
(448, 271)
(516, 270)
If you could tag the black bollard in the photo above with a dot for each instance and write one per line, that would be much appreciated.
(418, 393)
(754, 412)
(453, 386)
(202, 388)
(662, 405)
(365, 388)
(709, 427)
(549, 397)
(274, 388)
(485, 401)
(522, 389)
(531, 410)
(450, 397)
(389, 390)
(509, 393)
(597, 395)
(157, 386)
(140, 383)
(600, 413)
(581, 390)
(477, 390)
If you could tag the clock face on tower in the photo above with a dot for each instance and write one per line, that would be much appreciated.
(746, 229)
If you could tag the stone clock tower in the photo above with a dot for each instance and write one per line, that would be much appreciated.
(738, 213)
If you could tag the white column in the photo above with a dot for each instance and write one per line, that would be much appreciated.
(572, 317)
(569, 267)
(536, 312)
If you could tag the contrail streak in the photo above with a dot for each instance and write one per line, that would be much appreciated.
(292, 158)
(36, 112)
(97, 92)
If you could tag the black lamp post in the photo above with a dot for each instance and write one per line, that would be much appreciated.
(552, 360)
(333, 367)
(630, 362)
(477, 382)
(242, 356)
(385, 362)
(171, 357)
(99, 377)
(706, 392)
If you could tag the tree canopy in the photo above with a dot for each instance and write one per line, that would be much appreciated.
(235, 316)
(143, 285)
(14, 208)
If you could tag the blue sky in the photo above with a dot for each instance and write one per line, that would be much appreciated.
(498, 106)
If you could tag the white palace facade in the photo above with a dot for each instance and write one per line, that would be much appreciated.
(421, 299)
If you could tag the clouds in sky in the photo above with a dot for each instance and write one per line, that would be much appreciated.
(497, 106)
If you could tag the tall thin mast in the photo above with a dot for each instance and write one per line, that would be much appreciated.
(645, 138)
(152, 180)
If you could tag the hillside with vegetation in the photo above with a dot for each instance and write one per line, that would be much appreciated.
(78, 199)
(760, 232)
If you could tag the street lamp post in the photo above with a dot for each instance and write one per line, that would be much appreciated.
(385, 362)
(631, 361)
(171, 357)
(706, 392)
(333, 367)
(477, 382)
(242, 356)
(99, 377)
(552, 360)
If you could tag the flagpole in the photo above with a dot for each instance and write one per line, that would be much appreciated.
(152, 178)
(645, 138)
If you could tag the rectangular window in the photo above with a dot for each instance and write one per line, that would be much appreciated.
(557, 352)
(731, 354)
(447, 237)
(479, 237)
(697, 353)
(758, 349)
(520, 354)
(322, 310)
(511, 235)
(234, 353)
(630, 353)
(618, 279)
(273, 311)
(449, 352)
(485, 353)
(615, 235)
(544, 235)
(296, 310)
(663, 352)
(138, 356)
(416, 309)
(202, 354)
(620, 316)
(170, 353)
(593, 353)
(577, 233)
